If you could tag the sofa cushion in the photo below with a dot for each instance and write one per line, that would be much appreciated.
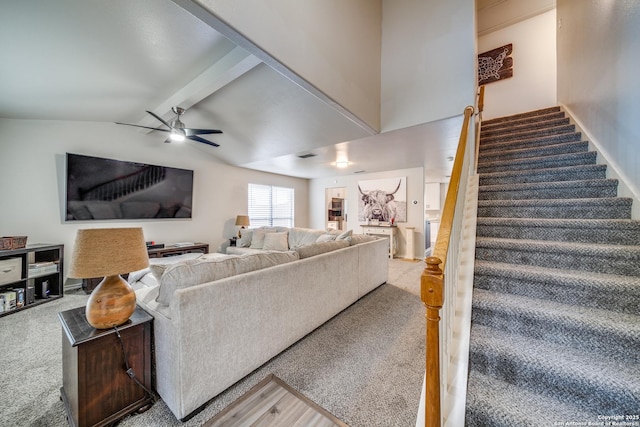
(303, 236)
(194, 272)
(276, 242)
(159, 265)
(320, 248)
(361, 238)
(212, 267)
(258, 261)
(234, 250)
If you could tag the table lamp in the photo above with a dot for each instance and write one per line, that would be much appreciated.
(242, 221)
(109, 252)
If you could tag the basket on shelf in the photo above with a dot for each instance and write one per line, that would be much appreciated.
(12, 242)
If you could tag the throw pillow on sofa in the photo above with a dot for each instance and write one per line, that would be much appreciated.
(245, 238)
(276, 242)
(344, 235)
(257, 239)
(326, 238)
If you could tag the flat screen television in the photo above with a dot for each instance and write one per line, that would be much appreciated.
(106, 189)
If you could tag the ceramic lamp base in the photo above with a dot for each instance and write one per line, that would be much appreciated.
(111, 303)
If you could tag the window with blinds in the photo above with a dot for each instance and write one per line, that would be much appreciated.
(270, 206)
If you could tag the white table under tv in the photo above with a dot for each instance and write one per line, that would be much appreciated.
(388, 231)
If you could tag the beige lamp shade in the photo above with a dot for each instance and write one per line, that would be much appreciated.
(109, 252)
(242, 220)
(99, 252)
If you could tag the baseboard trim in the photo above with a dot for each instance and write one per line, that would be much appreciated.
(625, 187)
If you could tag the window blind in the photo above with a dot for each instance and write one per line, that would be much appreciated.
(271, 206)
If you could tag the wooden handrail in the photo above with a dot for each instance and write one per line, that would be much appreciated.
(432, 282)
(478, 127)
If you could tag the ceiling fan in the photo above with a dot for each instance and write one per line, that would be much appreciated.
(177, 130)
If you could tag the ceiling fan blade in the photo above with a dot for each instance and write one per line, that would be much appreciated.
(204, 141)
(190, 132)
(160, 118)
(139, 126)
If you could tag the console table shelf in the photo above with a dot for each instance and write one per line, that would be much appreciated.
(37, 285)
(386, 231)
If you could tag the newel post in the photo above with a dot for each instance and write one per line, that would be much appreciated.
(431, 289)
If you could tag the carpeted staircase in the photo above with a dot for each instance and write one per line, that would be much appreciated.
(555, 335)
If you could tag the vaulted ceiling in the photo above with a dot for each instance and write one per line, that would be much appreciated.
(110, 61)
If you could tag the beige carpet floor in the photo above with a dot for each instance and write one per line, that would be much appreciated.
(365, 365)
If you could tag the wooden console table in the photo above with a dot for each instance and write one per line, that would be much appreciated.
(173, 250)
(383, 230)
(96, 389)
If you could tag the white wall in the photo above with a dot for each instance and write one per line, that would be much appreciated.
(415, 212)
(332, 44)
(428, 61)
(598, 63)
(533, 85)
(32, 172)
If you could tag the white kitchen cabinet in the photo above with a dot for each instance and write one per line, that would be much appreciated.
(432, 196)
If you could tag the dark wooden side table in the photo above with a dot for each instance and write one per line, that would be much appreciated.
(96, 389)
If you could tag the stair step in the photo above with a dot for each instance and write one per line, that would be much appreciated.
(532, 142)
(529, 152)
(599, 258)
(536, 133)
(520, 116)
(593, 381)
(588, 289)
(588, 330)
(570, 173)
(496, 403)
(517, 122)
(598, 208)
(524, 127)
(606, 231)
(590, 188)
(562, 160)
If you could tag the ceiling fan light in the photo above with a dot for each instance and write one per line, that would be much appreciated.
(176, 136)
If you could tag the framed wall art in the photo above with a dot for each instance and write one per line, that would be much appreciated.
(383, 200)
(495, 65)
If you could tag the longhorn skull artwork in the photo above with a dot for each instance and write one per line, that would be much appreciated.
(382, 203)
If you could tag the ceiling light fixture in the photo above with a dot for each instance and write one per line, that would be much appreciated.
(176, 136)
(342, 164)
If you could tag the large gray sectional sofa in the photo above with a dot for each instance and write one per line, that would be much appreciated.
(218, 317)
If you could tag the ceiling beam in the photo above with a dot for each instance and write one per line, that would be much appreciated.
(227, 69)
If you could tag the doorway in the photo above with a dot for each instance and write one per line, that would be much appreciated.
(336, 208)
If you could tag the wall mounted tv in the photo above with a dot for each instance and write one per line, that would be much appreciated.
(105, 189)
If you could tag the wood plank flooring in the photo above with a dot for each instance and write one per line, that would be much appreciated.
(273, 403)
